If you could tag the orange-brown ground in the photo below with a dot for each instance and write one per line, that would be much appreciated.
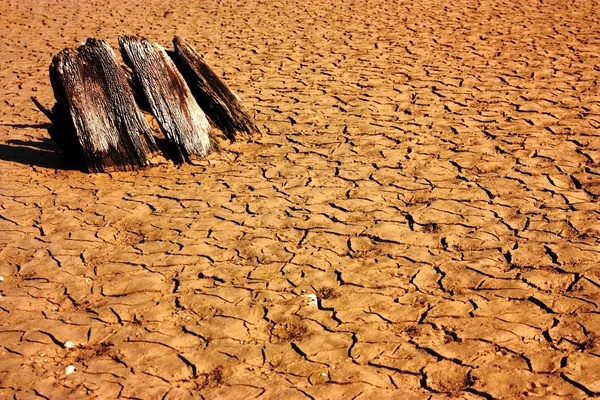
(429, 170)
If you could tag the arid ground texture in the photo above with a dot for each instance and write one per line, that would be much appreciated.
(417, 219)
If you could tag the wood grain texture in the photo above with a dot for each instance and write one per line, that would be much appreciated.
(97, 120)
(219, 102)
(182, 120)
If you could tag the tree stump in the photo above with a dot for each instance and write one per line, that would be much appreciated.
(98, 121)
(221, 105)
(183, 122)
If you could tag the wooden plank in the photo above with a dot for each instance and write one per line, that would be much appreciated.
(98, 121)
(221, 105)
(183, 122)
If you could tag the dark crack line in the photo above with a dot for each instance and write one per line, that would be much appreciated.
(2, 217)
(299, 351)
(398, 370)
(480, 393)
(553, 256)
(439, 356)
(53, 338)
(190, 364)
(579, 386)
(540, 304)
(196, 334)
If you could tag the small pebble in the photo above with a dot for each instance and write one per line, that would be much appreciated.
(1, 279)
(323, 374)
(68, 344)
(70, 369)
(313, 301)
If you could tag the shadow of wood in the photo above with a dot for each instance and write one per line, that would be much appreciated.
(39, 153)
(29, 126)
(42, 152)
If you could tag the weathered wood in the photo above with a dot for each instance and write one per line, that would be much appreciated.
(96, 115)
(221, 105)
(179, 116)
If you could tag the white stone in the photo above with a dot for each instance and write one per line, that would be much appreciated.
(313, 301)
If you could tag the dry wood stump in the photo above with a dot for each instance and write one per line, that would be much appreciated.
(98, 121)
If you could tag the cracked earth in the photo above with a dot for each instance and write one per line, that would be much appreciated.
(418, 218)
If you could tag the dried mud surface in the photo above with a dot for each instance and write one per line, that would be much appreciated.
(418, 218)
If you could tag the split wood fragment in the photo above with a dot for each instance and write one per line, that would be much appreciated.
(179, 116)
(221, 105)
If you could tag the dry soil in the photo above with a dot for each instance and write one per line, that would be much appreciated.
(418, 218)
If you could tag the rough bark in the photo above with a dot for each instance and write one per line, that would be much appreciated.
(221, 105)
(183, 122)
(96, 117)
